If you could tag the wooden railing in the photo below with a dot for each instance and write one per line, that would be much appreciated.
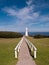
(31, 46)
(17, 48)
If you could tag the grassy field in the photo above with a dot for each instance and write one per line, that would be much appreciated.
(42, 50)
(7, 51)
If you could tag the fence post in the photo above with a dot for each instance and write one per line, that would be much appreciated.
(31, 49)
(34, 53)
(16, 54)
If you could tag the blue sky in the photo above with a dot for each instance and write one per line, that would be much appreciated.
(16, 15)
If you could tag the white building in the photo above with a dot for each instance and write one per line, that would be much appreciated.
(26, 32)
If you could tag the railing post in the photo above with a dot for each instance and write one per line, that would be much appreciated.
(34, 53)
(31, 49)
(16, 54)
(18, 48)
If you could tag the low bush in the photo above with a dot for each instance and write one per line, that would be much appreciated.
(40, 36)
(10, 35)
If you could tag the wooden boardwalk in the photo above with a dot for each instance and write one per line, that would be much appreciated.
(24, 57)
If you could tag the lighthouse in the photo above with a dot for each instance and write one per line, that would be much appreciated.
(26, 32)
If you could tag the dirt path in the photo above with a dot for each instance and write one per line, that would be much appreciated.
(24, 57)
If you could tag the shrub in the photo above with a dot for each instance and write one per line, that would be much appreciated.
(40, 36)
(10, 35)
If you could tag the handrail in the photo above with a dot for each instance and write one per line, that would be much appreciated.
(31, 46)
(17, 48)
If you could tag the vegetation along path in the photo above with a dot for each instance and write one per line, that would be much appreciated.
(24, 57)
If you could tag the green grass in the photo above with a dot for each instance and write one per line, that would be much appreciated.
(42, 50)
(7, 51)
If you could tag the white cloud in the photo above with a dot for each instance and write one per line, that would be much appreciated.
(29, 2)
(26, 16)
(10, 11)
(25, 13)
